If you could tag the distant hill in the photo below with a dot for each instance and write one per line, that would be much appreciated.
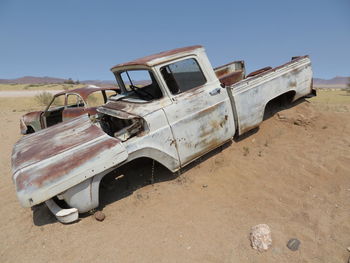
(32, 80)
(337, 82)
(51, 80)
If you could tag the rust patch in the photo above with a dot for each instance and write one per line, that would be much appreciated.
(257, 72)
(118, 105)
(279, 67)
(52, 141)
(32, 116)
(147, 59)
(84, 92)
(73, 112)
(209, 145)
(231, 78)
(44, 175)
(221, 72)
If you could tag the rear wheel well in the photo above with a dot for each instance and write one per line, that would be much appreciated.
(278, 103)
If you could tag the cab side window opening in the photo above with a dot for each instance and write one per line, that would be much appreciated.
(183, 75)
(141, 83)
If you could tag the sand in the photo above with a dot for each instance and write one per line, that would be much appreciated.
(292, 174)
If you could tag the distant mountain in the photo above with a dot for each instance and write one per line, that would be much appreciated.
(32, 80)
(337, 82)
(51, 80)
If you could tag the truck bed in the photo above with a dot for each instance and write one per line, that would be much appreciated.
(250, 96)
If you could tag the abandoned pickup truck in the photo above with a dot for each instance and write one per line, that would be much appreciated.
(173, 108)
(66, 105)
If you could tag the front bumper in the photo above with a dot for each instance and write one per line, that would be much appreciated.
(64, 216)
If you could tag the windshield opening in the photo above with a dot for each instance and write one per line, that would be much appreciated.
(139, 84)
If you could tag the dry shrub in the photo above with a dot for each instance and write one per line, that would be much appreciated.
(43, 98)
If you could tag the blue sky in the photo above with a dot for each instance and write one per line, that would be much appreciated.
(82, 39)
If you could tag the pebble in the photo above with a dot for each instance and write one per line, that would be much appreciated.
(293, 244)
(99, 216)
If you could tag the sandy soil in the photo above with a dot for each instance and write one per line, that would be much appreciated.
(292, 174)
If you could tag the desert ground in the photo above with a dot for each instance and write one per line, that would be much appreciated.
(293, 174)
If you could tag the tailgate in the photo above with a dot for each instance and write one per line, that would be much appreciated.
(53, 160)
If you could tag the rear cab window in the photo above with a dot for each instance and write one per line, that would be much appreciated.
(183, 75)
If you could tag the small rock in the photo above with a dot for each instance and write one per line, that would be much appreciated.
(204, 185)
(348, 248)
(260, 237)
(99, 216)
(281, 116)
(293, 244)
(298, 122)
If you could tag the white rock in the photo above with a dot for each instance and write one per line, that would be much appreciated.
(260, 237)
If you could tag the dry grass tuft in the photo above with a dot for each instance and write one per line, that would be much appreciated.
(43, 98)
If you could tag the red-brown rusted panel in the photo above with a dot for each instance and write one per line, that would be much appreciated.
(279, 67)
(225, 69)
(231, 78)
(73, 112)
(39, 175)
(257, 72)
(55, 159)
(52, 141)
(84, 92)
(32, 116)
(145, 60)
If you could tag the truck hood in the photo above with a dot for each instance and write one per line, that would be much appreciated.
(52, 160)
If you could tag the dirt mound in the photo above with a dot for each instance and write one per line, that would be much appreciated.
(291, 174)
(304, 115)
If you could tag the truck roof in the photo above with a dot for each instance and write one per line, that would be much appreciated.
(159, 58)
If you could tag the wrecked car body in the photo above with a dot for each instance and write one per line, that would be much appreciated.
(173, 108)
(66, 105)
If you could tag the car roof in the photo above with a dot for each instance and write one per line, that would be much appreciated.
(84, 92)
